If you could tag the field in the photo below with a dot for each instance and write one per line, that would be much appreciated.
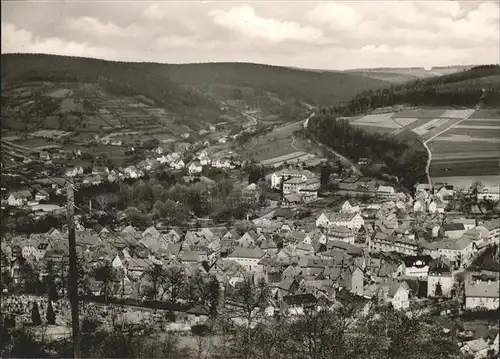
(468, 149)
(279, 146)
(467, 142)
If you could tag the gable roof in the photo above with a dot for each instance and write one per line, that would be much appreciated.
(22, 194)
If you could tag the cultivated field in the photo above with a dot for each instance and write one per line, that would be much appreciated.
(469, 149)
(468, 141)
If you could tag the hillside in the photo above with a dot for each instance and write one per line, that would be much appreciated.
(314, 87)
(477, 86)
(192, 95)
(401, 75)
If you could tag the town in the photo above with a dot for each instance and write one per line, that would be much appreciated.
(319, 237)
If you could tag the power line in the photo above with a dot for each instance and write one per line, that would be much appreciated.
(73, 274)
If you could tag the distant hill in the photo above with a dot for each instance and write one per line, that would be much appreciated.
(479, 86)
(161, 81)
(401, 74)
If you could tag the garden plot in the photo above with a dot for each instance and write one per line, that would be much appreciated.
(426, 127)
(457, 113)
(478, 127)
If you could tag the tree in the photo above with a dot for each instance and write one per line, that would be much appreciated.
(35, 314)
(325, 175)
(51, 316)
(213, 295)
(439, 290)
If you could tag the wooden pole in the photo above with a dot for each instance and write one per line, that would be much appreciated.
(73, 273)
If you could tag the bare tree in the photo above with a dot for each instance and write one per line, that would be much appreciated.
(102, 201)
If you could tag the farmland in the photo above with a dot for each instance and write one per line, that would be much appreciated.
(467, 141)
(279, 146)
(468, 149)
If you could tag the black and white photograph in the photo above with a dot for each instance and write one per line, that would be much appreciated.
(260, 179)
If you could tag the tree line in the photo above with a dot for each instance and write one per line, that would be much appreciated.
(465, 89)
(405, 159)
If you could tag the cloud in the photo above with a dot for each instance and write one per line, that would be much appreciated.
(336, 15)
(93, 26)
(327, 35)
(21, 41)
(244, 20)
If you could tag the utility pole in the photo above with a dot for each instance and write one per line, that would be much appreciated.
(73, 272)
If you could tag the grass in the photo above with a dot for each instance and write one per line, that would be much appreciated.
(486, 114)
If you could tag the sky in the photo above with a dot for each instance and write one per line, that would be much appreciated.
(334, 35)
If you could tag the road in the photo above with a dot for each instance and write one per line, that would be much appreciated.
(292, 144)
(250, 117)
(429, 154)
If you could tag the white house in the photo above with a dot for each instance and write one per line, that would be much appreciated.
(19, 198)
(481, 294)
(417, 266)
(248, 258)
(348, 208)
(398, 294)
(493, 228)
(195, 167)
(75, 171)
(489, 192)
(386, 192)
(436, 206)
(41, 195)
(349, 220)
(178, 165)
(222, 163)
(286, 174)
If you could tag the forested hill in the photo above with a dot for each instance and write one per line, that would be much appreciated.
(162, 82)
(477, 86)
(314, 87)
(121, 78)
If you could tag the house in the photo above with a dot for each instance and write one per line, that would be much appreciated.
(396, 293)
(416, 266)
(347, 207)
(222, 163)
(100, 170)
(198, 314)
(19, 198)
(493, 228)
(489, 193)
(452, 230)
(386, 192)
(349, 220)
(247, 240)
(248, 258)
(439, 276)
(418, 206)
(436, 206)
(75, 171)
(478, 348)
(41, 195)
(445, 193)
(382, 242)
(481, 294)
(285, 174)
(341, 233)
(178, 164)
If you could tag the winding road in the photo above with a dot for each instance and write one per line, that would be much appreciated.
(429, 153)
